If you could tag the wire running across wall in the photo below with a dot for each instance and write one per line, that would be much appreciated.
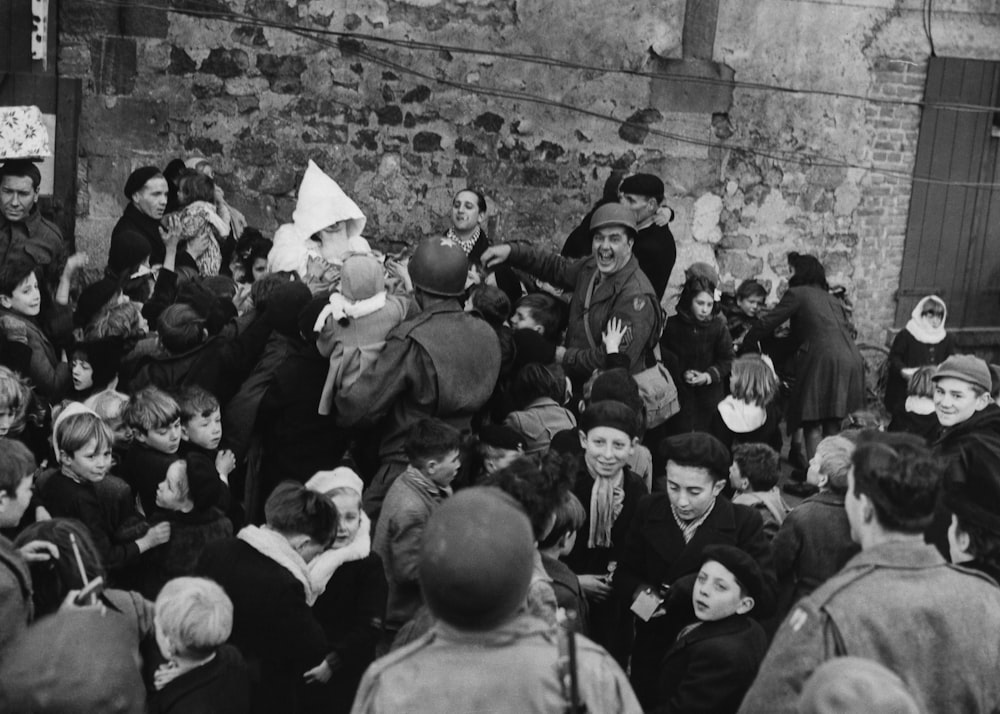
(353, 44)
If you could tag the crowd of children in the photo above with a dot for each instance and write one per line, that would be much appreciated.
(175, 449)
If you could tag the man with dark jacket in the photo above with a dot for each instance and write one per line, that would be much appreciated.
(440, 362)
(898, 602)
(654, 247)
(608, 284)
(23, 229)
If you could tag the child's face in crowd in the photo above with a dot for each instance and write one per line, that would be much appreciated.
(701, 306)
(522, 319)
(91, 463)
(813, 475)
(606, 450)
(691, 489)
(348, 518)
(443, 471)
(83, 374)
(204, 431)
(955, 401)
(26, 299)
(750, 306)
(717, 594)
(495, 458)
(166, 439)
(259, 269)
(13, 506)
(7, 416)
(933, 318)
(172, 493)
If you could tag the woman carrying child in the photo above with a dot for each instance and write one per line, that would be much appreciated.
(923, 342)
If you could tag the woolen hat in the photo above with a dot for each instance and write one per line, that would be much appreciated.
(968, 368)
(128, 249)
(93, 299)
(697, 449)
(643, 185)
(613, 214)
(743, 567)
(853, 685)
(612, 414)
(501, 437)
(361, 277)
(476, 559)
(138, 178)
(340, 477)
(52, 667)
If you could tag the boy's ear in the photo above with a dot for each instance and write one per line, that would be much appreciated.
(745, 605)
(583, 439)
(718, 486)
(539, 329)
(824, 480)
(184, 431)
(5, 301)
(139, 436)
(64, 457)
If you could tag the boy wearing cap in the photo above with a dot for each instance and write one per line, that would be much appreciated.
(667, 539)
(898, 602)
(969, 440)
(484, 653)
(654, 246)
(714, 660)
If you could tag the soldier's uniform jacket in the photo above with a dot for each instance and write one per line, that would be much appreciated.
(934, 624)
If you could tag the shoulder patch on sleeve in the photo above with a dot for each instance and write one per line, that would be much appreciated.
(797, 619)
(638, 303)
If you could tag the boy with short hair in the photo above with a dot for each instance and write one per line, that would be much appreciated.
(743, 310)
(193, 619)
(433, 449)
(714, 660)
(540, 313)
(201, 433)
(569, 519)
(82, 487)
(17, 474)
(155, 420)
(754, 478)
(815, 542)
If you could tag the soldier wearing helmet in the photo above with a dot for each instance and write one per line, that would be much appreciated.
(607, 284)
(440, 362)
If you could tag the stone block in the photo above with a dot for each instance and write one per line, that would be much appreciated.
(284, 72)
(114, 64)
(739, 264)
(74, 59)
(391, 115)
(277, 180)
(110, 129)
(489, 122)
(256, 152)
(225, 63)
(420, 93)
(635, 129)
(677, 89)
(426, 141)
(705, 222)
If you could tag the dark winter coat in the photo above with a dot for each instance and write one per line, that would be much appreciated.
(812, 544)
(655, 553)
(829, 369)
(136, 223)
(351, 610)
(656, 252)
(569, 593)
(49, 375)
(907, 351)
(222, 686)
(190, 533)
(769, 433)
(273, 627)
(710, 668)
(701, 346)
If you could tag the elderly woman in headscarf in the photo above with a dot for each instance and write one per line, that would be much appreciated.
(351, 603)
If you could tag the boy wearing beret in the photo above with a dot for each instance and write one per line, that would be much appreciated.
(714, 660)
(667, 540)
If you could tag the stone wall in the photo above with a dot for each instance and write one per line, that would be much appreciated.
(752, 173)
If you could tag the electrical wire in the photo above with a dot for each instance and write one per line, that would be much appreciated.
(349, 44)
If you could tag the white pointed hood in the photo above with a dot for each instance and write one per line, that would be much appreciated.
(322, 202)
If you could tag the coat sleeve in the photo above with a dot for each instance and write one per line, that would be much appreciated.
(550, 267)
(358, 645)
(629, 576)
(641, 316)
(298, 635)
(723, 364)
(786, 308)
(787, 545)
(405, 538)
(799, 647)
(708, 684)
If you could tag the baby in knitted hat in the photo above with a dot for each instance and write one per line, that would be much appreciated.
(353, 326)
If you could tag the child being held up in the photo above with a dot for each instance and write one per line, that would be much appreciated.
(193, 619)
(714, 660)
(82, 487)
(754, 478)
(155, 420)
(353, 327)
(815, 541)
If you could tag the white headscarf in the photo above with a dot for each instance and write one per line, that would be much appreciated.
(921, 329)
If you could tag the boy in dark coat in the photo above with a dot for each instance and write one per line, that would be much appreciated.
(203, 675)
(713, 661)
(569, 519)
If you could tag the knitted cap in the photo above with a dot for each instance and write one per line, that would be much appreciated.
(476, 559)
(500, 437)
(128, 249)
(138, 178)
(93, 299)
(322, 202)
(967, 368)
(610, 413)
(340, 477)
(643, 185)
(743, 567)
(361, 277)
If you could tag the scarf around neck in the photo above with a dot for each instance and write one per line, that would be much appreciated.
(275, 546)
(607, 498)
(921, 329)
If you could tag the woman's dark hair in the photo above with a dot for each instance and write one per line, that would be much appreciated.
(806, 270)
(251, 246)
(293, 509)
(52, 579)
(480, 197)
(197, 186)
(695, 285)
(535, 381)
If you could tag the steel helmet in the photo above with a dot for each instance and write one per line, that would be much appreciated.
(439, 267)
(613, 214)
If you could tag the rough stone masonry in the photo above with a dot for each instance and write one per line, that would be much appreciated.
(535, 101)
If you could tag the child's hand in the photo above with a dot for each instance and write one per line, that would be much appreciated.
(695, 378)
(38, 551)
(613, 335)
(225, 462)
(157, 535)
(75, 262)
(320, 673)
(595, 587)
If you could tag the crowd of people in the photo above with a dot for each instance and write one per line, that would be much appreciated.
(243, 474)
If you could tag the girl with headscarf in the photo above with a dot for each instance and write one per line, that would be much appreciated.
(923, 342)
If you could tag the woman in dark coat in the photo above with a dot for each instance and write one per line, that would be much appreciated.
(829, 369)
